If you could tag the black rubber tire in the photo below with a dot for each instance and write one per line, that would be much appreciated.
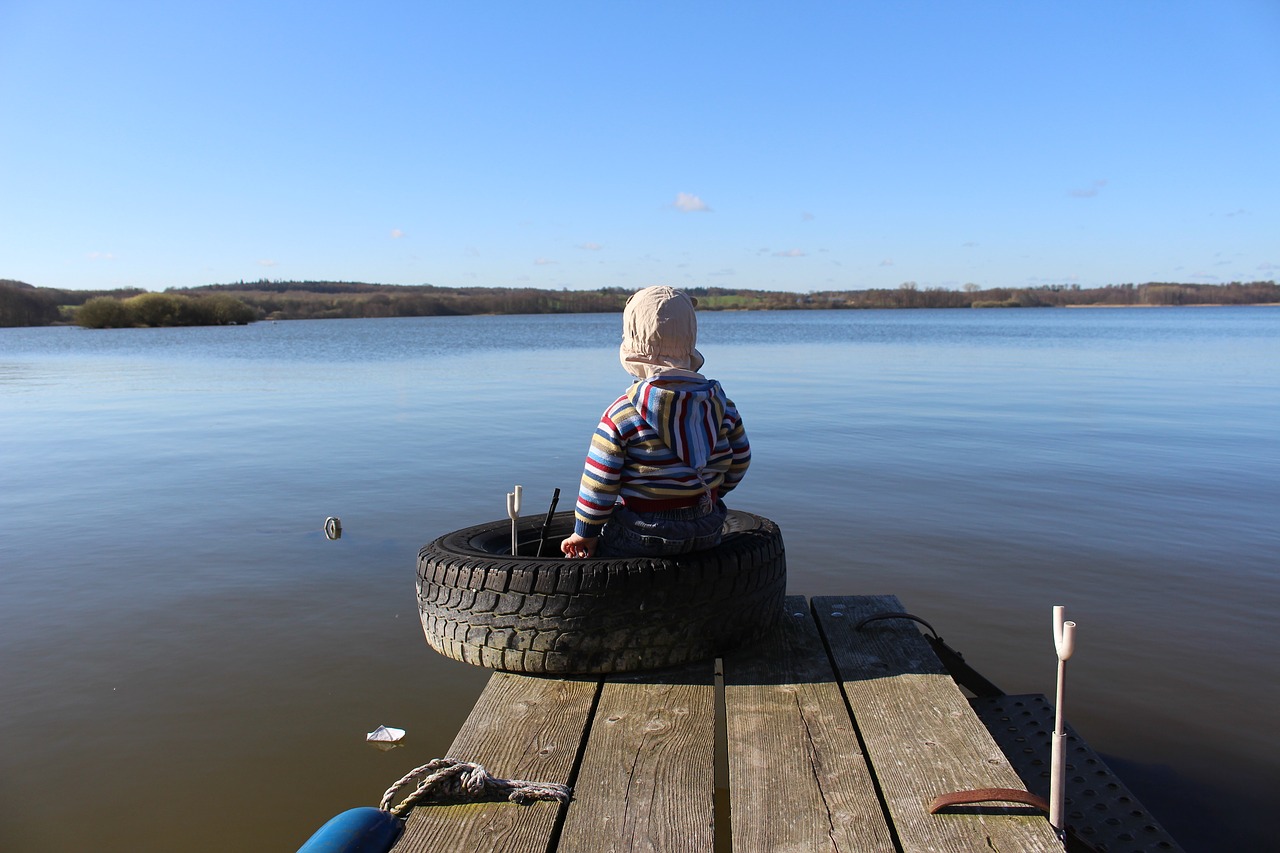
(550, 615)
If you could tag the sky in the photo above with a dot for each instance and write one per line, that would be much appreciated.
(797, 146)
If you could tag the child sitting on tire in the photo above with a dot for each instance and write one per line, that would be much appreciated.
(665, 452)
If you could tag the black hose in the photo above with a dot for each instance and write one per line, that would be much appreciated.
(542, 539)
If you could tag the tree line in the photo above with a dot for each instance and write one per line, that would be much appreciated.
(22, 304)
(164, 309)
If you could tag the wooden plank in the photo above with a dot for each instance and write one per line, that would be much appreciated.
(922, 738)
(797, 777)
(647, 779)
(522, 727)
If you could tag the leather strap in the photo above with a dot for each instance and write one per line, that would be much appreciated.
(988, 795)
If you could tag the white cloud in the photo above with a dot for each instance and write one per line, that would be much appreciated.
(887, 262)
(690, 203)
(101, 256)
(267, 262)
(1090, 191)
(789, 253)
(806, 216)
(396, 233)
(591, 247)
(542, 262)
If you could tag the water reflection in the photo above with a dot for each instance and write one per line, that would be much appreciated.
(175, 614)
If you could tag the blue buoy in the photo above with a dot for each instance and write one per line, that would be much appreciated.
(362, 830)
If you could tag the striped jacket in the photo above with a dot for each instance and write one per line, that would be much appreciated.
(664, 439)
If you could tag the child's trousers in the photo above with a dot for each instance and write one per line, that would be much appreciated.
(664, 533)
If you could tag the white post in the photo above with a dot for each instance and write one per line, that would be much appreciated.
(513, 512)
(1064, 639)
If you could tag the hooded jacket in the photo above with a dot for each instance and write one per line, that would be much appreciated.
(674, 436)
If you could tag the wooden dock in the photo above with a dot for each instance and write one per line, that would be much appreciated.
(818, 738)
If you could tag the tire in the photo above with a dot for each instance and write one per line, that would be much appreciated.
(550, 615)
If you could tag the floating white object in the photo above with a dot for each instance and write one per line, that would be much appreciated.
(385, 734)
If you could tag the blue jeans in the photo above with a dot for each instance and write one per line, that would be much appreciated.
(664, 533)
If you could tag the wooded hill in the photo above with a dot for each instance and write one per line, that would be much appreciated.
(22, 304)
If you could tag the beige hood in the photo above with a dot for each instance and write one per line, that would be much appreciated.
(659, 333)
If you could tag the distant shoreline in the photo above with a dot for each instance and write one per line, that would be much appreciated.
(22, 304)
(1191, 305)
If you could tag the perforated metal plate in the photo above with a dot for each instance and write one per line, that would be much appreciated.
(1098, 806)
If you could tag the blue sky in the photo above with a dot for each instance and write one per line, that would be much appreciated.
(792, 146)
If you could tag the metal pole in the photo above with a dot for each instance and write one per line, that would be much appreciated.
(1064, 638)
(513, 512)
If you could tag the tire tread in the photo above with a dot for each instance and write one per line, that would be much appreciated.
(554, 616)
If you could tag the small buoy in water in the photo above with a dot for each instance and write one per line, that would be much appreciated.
(333, 528)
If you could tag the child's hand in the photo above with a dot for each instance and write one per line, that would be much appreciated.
(578, 546)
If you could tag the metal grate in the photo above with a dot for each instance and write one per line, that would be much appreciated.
(1099, 808)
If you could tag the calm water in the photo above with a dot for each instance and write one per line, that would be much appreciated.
(188, 664)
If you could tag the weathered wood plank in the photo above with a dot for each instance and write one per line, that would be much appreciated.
(522, 727)
(921, 737)
(647, 779)
(797, 778)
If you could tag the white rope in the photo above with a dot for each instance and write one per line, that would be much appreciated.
(448, 780)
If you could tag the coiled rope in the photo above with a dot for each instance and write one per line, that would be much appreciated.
(448, 780)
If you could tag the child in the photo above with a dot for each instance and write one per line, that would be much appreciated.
(666, 451)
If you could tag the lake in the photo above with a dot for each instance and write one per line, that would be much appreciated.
(189, 664)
